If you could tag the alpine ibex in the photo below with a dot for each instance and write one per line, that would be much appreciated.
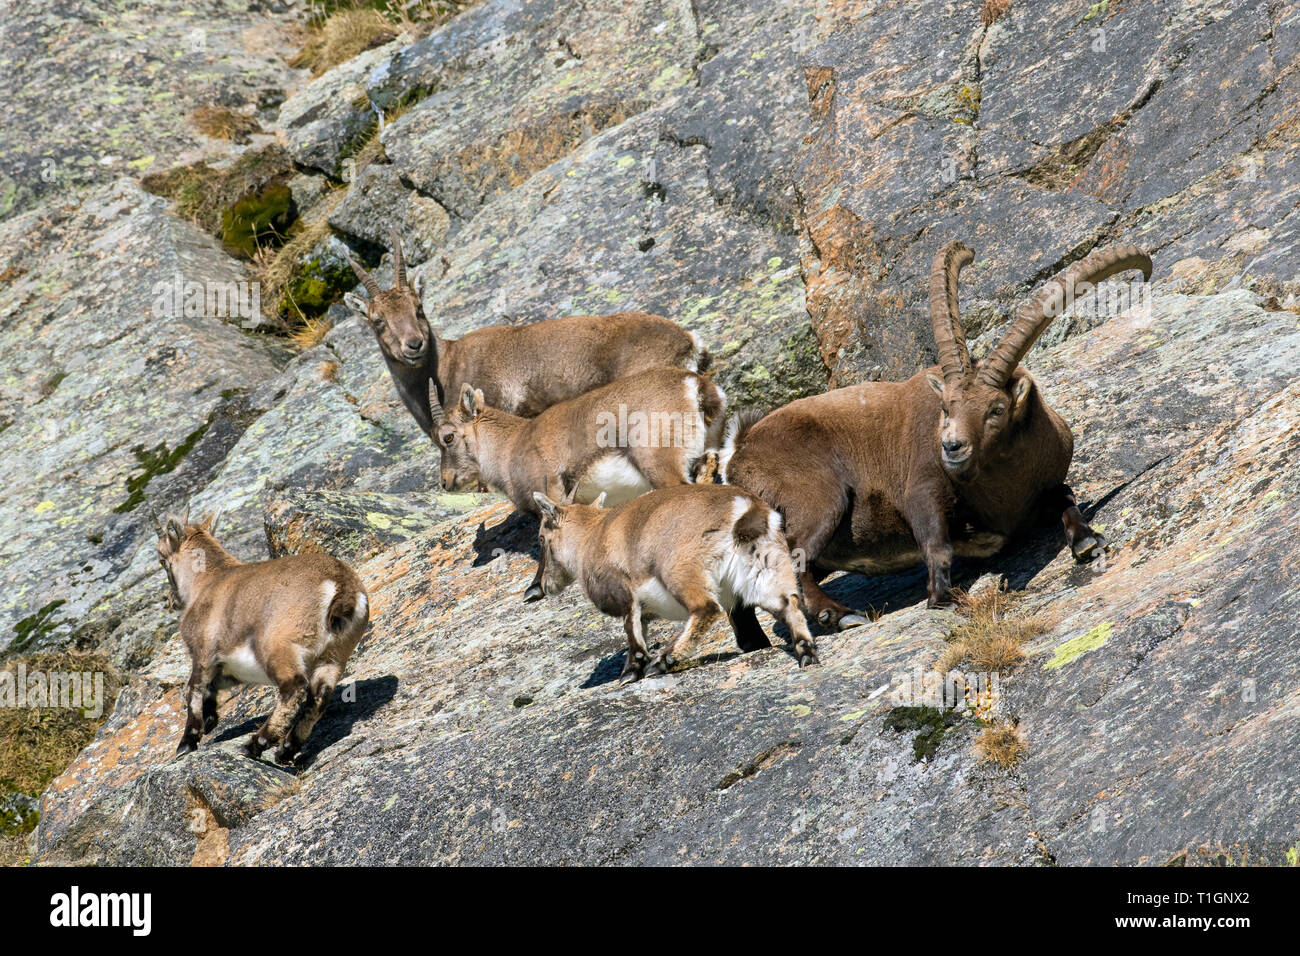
(955, 461)
(521, 369)
(689, 553)
(292, 622)
(646, 431)
(641, 432)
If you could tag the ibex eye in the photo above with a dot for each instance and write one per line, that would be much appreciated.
(448, 439)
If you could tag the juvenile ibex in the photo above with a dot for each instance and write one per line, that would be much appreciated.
(292, 622)
(641, 432)
(645, 431)
(521, 369)
(956, 460)
(690, 553)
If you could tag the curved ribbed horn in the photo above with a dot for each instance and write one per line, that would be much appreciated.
(435, 406)
(949, 339)
(399, 267)
(1053, 299)
(366, 278)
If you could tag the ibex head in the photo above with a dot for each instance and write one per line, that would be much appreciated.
(396, 314)
(183, 552)
(457, 439)
(560, 534)
(983, 406)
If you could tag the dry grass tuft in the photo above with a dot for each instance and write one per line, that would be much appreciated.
(38, 743)
(992, 638)
(310, 334)
(219, 122)
(341, 36)
(329, 371)
(1001, 744)
(994, 10)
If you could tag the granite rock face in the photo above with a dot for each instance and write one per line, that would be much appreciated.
(776, 177)
(104, 90)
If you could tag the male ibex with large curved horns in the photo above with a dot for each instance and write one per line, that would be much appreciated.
(521, 369)
(955, 461)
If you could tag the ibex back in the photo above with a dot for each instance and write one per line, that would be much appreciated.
(690, 553)
(521, 369)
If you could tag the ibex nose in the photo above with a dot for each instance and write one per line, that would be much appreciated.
(413, 347)
(952, 447)
(955, 451)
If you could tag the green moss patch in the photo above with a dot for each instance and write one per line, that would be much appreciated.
(35, 626)
(1076, 647)
(929, 723)
(153, 462)
(248, 204)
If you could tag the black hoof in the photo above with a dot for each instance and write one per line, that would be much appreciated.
(210, 725)
(186, 747)
(1088, 547)
(807, 654)
(754, 645)
(286, 755)
(253, 749)
(826, 618)
(658, 666)
(852, 620)
(629, 676)
(808, 660)
(534, 593)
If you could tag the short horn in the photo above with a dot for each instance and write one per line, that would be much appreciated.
(435, 406)
(1053, 299)
(366, 278)
(399, 266)
(949, 340)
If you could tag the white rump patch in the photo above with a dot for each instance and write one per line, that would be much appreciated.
(656, 601)
(243, 666)
(694, 364)
(327, 591)
(617, 477)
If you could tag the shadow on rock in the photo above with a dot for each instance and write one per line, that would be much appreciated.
(517, 535)
(344, 711)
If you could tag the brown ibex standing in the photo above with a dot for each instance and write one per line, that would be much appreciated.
(623, 439)
(642, 432)
(521, 369)
(955, 461)
(690, 553)
(292, 622)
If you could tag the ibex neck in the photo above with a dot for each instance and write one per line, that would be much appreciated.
(496, 433)
(200, 564)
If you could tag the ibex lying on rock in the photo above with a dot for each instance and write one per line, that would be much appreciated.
(876, 477)
(689, 553)
(641, 432)
(521, 369)
(292, 622)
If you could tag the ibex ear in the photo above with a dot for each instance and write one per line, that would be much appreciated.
(358, 305)
(1020, 392)
(175, 531)
(210, 522)
(547, 508)
(936, 383)
(471, 400)
(417, 285)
